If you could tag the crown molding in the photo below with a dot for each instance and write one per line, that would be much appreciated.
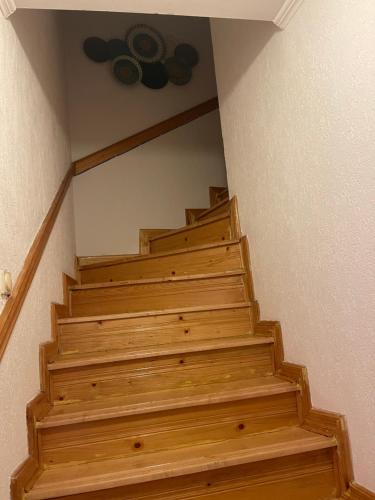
(286, 13)
(7, 7)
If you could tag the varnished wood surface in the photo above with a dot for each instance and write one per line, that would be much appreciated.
(220, 208)
(112, 298)
(171, 463)
(186, 397)
(168, 386)
(154, 328)
(218, 257)
(216, 194)
(182, 427)
(12, 308)
(358, 492)
(74, 360)
(147, 135)
(308, 476)
(211, 230)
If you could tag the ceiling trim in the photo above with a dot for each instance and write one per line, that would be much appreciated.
(286, 13)
(7, 7)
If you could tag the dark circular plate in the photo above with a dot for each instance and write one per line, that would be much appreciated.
(118, 48)
(179, 73)
(96, 49)
(155, 75)
(187, 53)
(145, 43)
(127, 70)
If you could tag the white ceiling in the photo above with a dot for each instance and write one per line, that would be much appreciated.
(278, 11)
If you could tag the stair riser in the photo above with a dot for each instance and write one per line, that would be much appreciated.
(215, 260)
(158, 296)
(214, 212)
(308, 476)
(154, 330)
(213, 232)
(155, 374)
(165, 430)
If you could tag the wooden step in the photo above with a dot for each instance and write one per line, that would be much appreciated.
(212, 230)
(86, 261)
(217, 194)
(161, 400)
(217, 257)
(191, 214)
(88, 382)
(64, 361)
(158, 293)
(154, 328)
(93, 476)
(168, 429)
(284, 478)
(222, 207)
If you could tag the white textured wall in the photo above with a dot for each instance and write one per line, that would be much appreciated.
(34, 156)
(148, 187)
(152, 185)
(298, 117)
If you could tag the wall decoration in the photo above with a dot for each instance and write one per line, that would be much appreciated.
(127, 70)
(155, 75)
(142, 57)
(179, 73)
(187, 53)
(96, 49)
(145, 43)
(118, 48)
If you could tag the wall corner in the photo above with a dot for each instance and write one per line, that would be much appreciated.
(287, 11)
(7, 7)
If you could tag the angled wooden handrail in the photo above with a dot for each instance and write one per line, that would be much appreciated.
(12, 308)
(146, 135)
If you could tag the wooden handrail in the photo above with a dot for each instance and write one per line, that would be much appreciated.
(146, 135)
(12, 308)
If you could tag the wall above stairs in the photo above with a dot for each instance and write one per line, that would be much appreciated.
(169, 173)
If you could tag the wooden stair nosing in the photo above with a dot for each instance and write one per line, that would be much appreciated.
(156, 312)
(96, 476)
(210, 395)
(147, 281)
(189, 227)
(212, 209)
(103, 357)
(157, 255)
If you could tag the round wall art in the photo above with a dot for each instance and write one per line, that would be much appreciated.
(127, 70)
(142, 57)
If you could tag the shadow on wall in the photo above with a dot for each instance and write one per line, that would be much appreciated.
(37, 36)
(239, 37)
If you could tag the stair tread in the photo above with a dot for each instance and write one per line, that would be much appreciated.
(189, 227)
(93, 476)
(156, 312)
(70, 360)
(166, 279)
(156, 255)
(198, 395)
(212, 209)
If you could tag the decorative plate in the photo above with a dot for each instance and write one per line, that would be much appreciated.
(187, 53)
(96, 49)
(145, 43)
(179, 73)
(127, 70)
(155, 75)
(118, 48)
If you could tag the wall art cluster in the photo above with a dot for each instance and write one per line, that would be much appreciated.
(142, 57)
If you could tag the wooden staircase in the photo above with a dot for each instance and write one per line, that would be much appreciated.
(162, 383)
